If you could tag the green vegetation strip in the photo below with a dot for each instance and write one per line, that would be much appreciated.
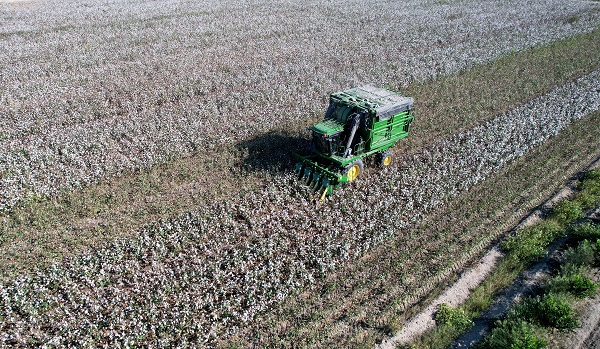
(371, 299)
(525, 323)
(528, 323)
(42, 230)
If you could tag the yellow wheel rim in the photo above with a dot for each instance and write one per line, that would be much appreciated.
(387, 160)
(353, 173)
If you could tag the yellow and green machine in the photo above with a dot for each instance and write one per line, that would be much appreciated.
(359, 122)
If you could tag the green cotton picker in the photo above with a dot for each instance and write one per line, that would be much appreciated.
(359, 122)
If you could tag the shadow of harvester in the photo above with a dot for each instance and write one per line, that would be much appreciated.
(272, 152)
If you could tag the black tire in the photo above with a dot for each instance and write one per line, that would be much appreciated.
(354, 169)
(385, 158)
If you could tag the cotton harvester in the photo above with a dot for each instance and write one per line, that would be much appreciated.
(359, 122)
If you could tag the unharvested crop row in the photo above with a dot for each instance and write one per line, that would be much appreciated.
(204, 274)
(88, 90)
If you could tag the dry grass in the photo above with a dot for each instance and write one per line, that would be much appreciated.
(43, 230)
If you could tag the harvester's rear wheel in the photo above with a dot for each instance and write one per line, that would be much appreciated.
(385, 158)
(354, 169)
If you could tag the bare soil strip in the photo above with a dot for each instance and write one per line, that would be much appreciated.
(529, 279)
(526, 281)
(592, 315)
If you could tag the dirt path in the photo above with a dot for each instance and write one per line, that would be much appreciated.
(454, 296)
(521, 287)
(593, 340)
(587, 335)
(459, 292)
(589, 310)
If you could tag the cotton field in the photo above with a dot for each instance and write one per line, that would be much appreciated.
(201, 276)
(89, 89)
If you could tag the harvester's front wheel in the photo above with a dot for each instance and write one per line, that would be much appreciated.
(385, 158)
(354, 169)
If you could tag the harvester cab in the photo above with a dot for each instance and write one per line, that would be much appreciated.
(359, 122)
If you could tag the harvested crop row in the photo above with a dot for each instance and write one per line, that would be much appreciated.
(89, 89)
(201, 276)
